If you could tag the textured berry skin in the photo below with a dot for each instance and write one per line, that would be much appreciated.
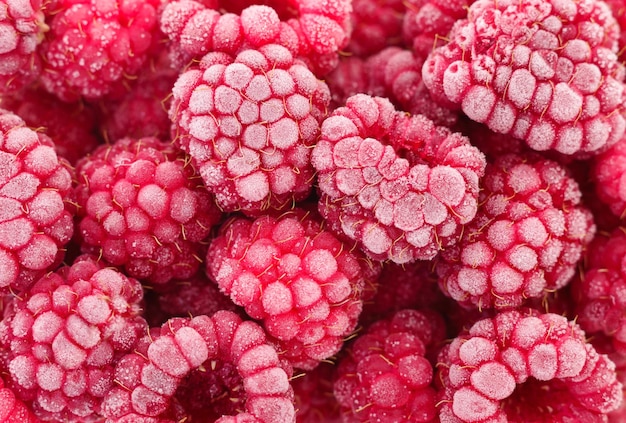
(384, 377)
(21, 30)
(249, 124)
(546, 372)
(35, 217)
(347, 79)
(598, 292)
(93, 48)
(314, 398)
(398, 185)
(65, 334)
(526, 239)
(142, 207)
(297, 278)
(608, 172)
(376, 24)
(71, 126)
(12, 410)
(546, 72)
(203, 369)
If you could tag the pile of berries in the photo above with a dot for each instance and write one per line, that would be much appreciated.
(306, 211)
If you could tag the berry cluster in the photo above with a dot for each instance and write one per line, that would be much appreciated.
(307, 211)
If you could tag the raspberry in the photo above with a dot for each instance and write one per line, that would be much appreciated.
(384, 377)
(546, 72)
(203, 368)
(71, 126)
(598, 293)
(35, 219)
(347, 79)
(94, 47)
(526, 239)
(376, 24)
(544, 368)
(608, 173)
(12, 410)
(142, 208)
(65, 334)
(22, 28)
(297, 278)
(249, 125)
(398, 185)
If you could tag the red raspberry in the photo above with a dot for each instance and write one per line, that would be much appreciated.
(314, 398)
(543, 71)
(65, 334)
(93, 47)
(297, 278)
(384, 377)
(143, 208)
(35, 219)
(545, 372)
(21, 30)
(599, 292)
(397, 184)
(347, 79)
(249, 125)
(376, 24)
(609, 174)
(526, 239)
(619, 12)
(202, 369)
(71, 126)
(12, 410)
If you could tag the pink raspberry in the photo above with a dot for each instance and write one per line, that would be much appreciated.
(202, 369)
(347, 79)
(142, 208)
(22, 28)
(545, 371)
(297, 278)
(599, 292)
(71, 126)
(65, 335)
(376, 24)
(546, 72)
(384, 377)
(35, 215)
(397, 184)
(12, 410)
(619, 12)
(609, 174)
(526, 239)
(93, 47)
(249, 124)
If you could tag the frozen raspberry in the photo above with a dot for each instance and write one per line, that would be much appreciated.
(396, 73)
(384, 377)
(609, 174)
(376, 24)
(22, 28)
(426, 23)
(95, 47)
(314, 398)
(599, 292)
(12, 410)
(203, 369)
(397, 184)
(618, 7)
(142, 112)
(71, 126)
(526, 239)
(65, 334)
(35, 217)
(249, 124)
(543, 71)
(523, 366)
(143, 208)
(297, 278)
(347, 79)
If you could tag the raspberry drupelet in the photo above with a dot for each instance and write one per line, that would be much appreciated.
(543, 71)
(545, 372)
(608, 172)
(143, 207)
(219, 369)
(304, 284)
(527, 237)
(249, 124)
(95, 48)
(397, 184)
(22, 28)
(65, 334)
(384, 376)
(35, 214)
(376, 24)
